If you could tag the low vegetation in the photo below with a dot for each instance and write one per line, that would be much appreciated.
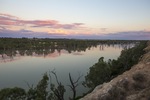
(139, 78)
(44, 90)
(104, 71)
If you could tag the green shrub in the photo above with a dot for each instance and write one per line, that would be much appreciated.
(99, 73)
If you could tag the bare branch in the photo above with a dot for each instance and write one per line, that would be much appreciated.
(78, 78)
(73, 85)
(54, 73)
(59, 90)
(28, 84)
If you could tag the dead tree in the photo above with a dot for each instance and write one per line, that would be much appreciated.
(74, 85)
(59, 90)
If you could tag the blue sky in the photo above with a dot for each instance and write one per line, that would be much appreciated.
(75, 18)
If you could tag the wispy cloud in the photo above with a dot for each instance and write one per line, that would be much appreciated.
(28, 33)
(40, 23)
(2, 28)
(9, 20)
(135, 35)
(12, 26)
(130, 35)
(103, 29)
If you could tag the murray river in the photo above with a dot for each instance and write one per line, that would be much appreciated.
(18, 70)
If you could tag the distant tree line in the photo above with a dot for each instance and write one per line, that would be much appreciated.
(9, 46)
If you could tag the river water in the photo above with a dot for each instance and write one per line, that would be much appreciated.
(20, 69)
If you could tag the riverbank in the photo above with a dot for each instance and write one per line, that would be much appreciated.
(133, 84)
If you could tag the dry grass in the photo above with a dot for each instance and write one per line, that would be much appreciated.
(139, 77)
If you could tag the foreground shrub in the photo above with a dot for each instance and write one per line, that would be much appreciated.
(99, 73)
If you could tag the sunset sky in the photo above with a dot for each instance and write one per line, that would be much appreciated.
(87, 19)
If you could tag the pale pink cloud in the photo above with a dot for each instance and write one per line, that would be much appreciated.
(9, 20)
(41, 23)
(8, 16)
(130, 35)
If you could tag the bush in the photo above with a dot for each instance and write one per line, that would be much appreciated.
(117, 93)
(12, 94)
(99, 73)
(139, 77)
(138, 86)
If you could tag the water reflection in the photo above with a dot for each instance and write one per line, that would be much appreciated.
(12, 55)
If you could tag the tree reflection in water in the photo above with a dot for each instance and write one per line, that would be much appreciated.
(12, 48)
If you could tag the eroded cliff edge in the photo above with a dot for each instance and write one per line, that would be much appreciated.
(133, 84)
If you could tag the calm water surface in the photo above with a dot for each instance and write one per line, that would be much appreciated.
(18, 70)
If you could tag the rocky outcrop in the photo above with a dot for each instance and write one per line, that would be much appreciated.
(133, 84)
